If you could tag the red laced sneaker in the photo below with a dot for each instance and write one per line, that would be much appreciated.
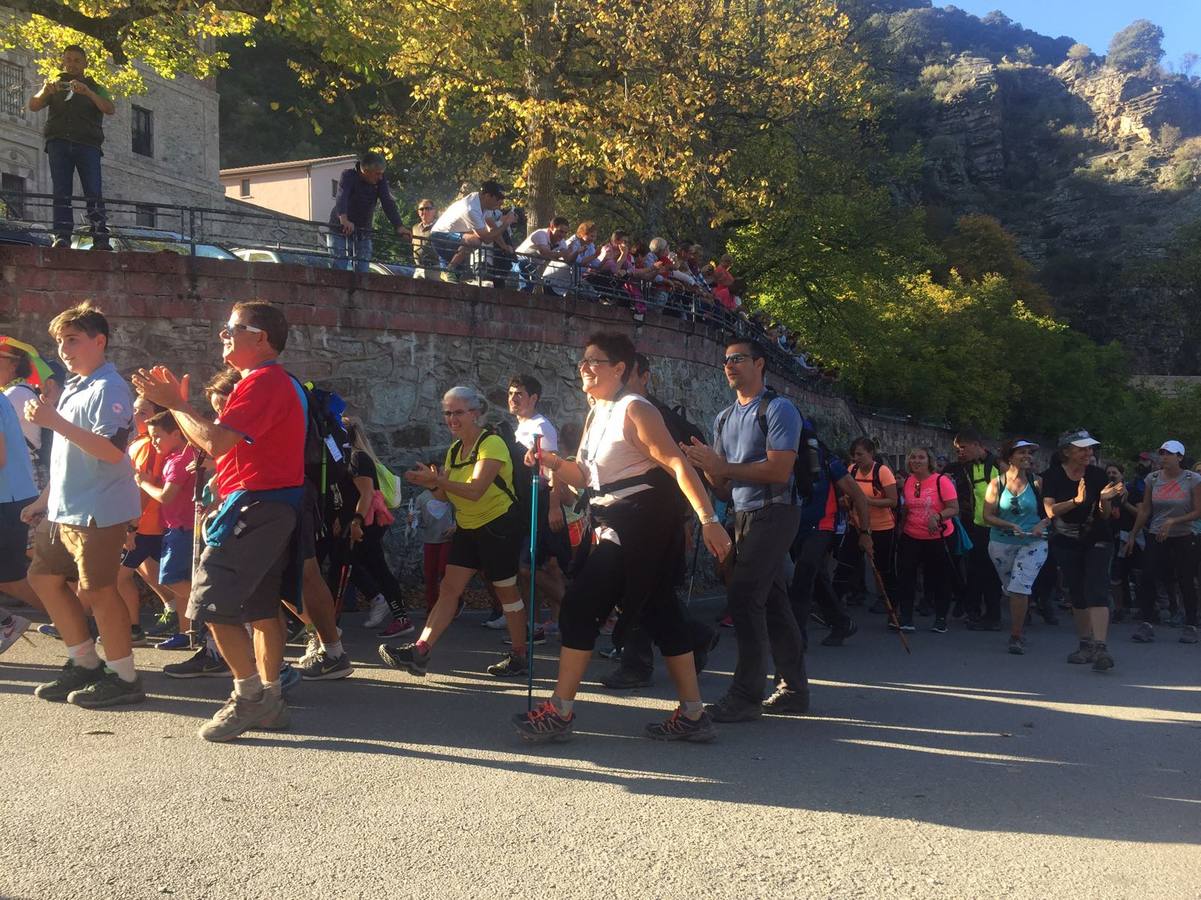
(543, 724)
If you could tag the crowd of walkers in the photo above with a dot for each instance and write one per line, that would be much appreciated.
(250, 519)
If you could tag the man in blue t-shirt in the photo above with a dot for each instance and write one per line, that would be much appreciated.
(751, 462)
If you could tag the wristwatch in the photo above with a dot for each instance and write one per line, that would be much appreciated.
(710, 519)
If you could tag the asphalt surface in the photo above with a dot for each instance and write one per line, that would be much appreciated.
(957, 771)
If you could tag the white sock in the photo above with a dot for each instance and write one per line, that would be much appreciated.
(249, 688)
(564, 707)
(124, 668)
(271, 687)
(84, 655)
(334, 650)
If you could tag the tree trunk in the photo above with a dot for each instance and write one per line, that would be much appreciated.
(540, 169)
(541, 164)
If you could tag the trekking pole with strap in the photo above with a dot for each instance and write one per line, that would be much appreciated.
(344, 575)
(197, 533)
(535, 483)
(892, 613)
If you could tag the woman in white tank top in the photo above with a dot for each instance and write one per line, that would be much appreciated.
(626, 464)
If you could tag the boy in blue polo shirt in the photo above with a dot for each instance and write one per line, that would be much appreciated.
(89, 502)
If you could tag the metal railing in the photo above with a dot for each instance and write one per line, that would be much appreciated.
(265, 237)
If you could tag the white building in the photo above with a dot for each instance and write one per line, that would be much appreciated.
(159, 148)
(305, 189)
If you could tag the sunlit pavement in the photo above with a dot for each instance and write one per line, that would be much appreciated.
(957, 771)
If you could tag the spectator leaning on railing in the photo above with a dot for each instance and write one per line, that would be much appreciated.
(463, 227)
(424, 256)
(74, 133)
(544, 245)
(359, 190)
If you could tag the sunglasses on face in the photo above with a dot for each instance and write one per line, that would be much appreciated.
(735, 358)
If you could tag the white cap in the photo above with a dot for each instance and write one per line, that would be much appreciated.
(1173, 447)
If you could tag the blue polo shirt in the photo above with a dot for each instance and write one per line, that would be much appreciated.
(16, 475)
(83, 489)
(743, 441)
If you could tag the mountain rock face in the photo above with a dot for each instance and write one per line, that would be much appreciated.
(1095, 170)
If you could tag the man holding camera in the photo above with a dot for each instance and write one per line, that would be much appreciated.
(466, 226)
(74, 132)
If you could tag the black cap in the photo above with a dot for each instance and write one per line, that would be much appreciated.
(493, 188)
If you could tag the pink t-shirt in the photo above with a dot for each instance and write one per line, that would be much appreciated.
(179, 512)
(921, 502)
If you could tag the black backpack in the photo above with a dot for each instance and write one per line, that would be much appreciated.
(812, 455)
(522, 475)
(327, 453)
(877, 487)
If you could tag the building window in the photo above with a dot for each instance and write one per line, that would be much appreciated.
(144, 215)
(12, 89)
(143, 131)
(12, 192)
(334, 188)
(244, 191)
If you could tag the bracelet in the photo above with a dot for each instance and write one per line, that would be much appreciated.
(710, 519)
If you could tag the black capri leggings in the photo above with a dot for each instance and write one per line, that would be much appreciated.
(1085, 569)
(640, 573)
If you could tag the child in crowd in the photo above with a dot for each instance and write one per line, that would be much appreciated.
(435, 523)
(174, 495)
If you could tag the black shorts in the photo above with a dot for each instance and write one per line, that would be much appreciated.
(14, 541)
(145, 546)
(493, 549)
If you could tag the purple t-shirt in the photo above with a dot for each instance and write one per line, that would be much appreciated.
(179, 512)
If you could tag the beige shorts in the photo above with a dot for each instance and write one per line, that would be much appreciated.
(90, 553)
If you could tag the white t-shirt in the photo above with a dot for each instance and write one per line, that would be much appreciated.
(537, 424)
(539, 240)
(464, 215)
(17, 395)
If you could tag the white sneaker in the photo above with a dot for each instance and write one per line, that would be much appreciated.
(379, 612)
(13, 632)
(497, 623)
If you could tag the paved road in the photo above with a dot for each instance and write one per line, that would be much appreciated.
(958, 771)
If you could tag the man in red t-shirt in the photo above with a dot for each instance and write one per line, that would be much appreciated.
(258, 444)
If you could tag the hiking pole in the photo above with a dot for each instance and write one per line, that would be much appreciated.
(197, 533)
(696, 555)
(535, 483)
(892, 613)
(344, 578)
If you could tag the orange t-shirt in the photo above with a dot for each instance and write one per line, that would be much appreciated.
(883, 518)
(149, 464)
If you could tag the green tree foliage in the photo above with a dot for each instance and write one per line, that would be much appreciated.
(1138, 45)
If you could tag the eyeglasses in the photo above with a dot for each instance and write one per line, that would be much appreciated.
(735, 358)
(454, 413)
(232, 327)
(591, 362)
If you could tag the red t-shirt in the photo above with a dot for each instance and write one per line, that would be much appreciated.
(265, 408)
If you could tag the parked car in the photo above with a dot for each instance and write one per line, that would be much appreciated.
(153, 240)
(296, 256)
(25, 234)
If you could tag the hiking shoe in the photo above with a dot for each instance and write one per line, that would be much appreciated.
(279, 716)
(239, 714)
(1144, 634)
(49, 631)
(406, 658)
(939, 626)
(109, 690)
(539, 636)
(731, 709)
(678, 727)
(137, 637)
(165, 623)
(622, 679)
(1017, 646)
(175, 642)
(378, 614)
(497, 622)
(908, 627)
(512, 664)
(202, 664)
(543, 724)
(323, 667)
(289, 677)
(18, 625)
(838, 635)
(785, 701)
(71, 679)
(398, 628)
(1188, 635)
(1102, 661)
(1082, 654)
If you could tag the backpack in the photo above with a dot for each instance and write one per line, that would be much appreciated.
(877, 487)
(327, 452)
(812, 455)
(522, 476)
